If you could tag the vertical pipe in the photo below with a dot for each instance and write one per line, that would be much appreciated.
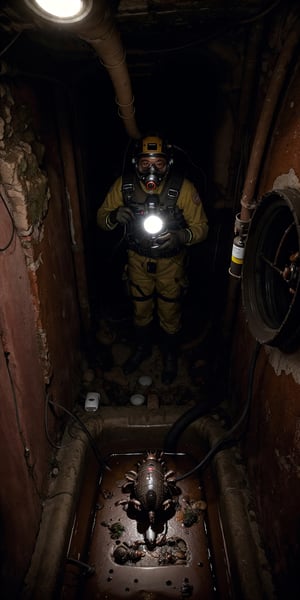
(99, 30)
(250, 66)
(255, 162)
(264, 123)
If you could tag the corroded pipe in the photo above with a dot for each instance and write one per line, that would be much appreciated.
(264, 123)
(255, 163)
(99, 30)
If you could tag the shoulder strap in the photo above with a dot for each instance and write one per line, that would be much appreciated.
(170, 193)
(128, 187)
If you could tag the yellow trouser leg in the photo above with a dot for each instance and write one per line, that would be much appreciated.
(169, 287)
(167, 280)
(142, 288)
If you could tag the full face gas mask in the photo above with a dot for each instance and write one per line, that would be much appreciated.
(151, 177)
(152, 162)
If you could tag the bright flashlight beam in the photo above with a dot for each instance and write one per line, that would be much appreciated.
(153, 224)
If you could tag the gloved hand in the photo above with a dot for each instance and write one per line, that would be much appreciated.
(173, 239)
(122, 215)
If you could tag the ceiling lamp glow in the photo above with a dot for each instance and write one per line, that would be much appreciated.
(58, 11)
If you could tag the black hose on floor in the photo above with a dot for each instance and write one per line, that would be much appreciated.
(204, 407)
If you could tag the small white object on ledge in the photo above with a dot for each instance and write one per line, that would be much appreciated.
(92, 402)
(137, 399)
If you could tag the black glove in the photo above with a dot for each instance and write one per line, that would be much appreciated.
(122, 215)
(173, 239)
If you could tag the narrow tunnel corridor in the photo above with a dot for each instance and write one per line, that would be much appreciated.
(220, 81)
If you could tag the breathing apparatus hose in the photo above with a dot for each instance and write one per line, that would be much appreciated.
(186, 419)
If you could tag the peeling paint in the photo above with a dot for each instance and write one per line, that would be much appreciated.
(26, 233)
(27, 194)
(21, 154)
(289, 179)
(44, 355)
(33, 265)
(284, 363)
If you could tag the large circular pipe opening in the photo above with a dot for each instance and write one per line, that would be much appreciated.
(270, 278)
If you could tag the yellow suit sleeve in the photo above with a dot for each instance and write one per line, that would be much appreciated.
(112, 200)
(194, 214)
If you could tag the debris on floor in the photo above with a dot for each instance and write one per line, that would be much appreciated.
(113, 345)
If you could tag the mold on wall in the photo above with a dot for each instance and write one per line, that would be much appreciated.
(25, 190)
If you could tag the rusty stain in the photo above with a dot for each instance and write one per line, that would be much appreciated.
(177, 546)
(288, 463)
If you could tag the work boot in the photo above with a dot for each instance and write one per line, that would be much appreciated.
(143, 350)
(169, 350)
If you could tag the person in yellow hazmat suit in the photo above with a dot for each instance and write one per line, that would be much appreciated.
(162, 214)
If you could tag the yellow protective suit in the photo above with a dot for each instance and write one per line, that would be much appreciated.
(159, 282)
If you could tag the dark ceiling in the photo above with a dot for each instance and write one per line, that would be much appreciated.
(149, 29)
(181, 55)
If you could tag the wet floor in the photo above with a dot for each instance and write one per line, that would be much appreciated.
(115, 550)
(111, 553)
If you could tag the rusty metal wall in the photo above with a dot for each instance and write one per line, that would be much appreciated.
(272, 442)
(39, 316)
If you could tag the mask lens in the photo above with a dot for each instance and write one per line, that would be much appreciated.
(145, 165)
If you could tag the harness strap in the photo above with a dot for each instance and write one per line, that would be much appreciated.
(127, 189)
(167, 299)
(135, 198)
(144, 296)
(174, 187)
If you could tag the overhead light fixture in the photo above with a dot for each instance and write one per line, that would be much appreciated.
(58, 11)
